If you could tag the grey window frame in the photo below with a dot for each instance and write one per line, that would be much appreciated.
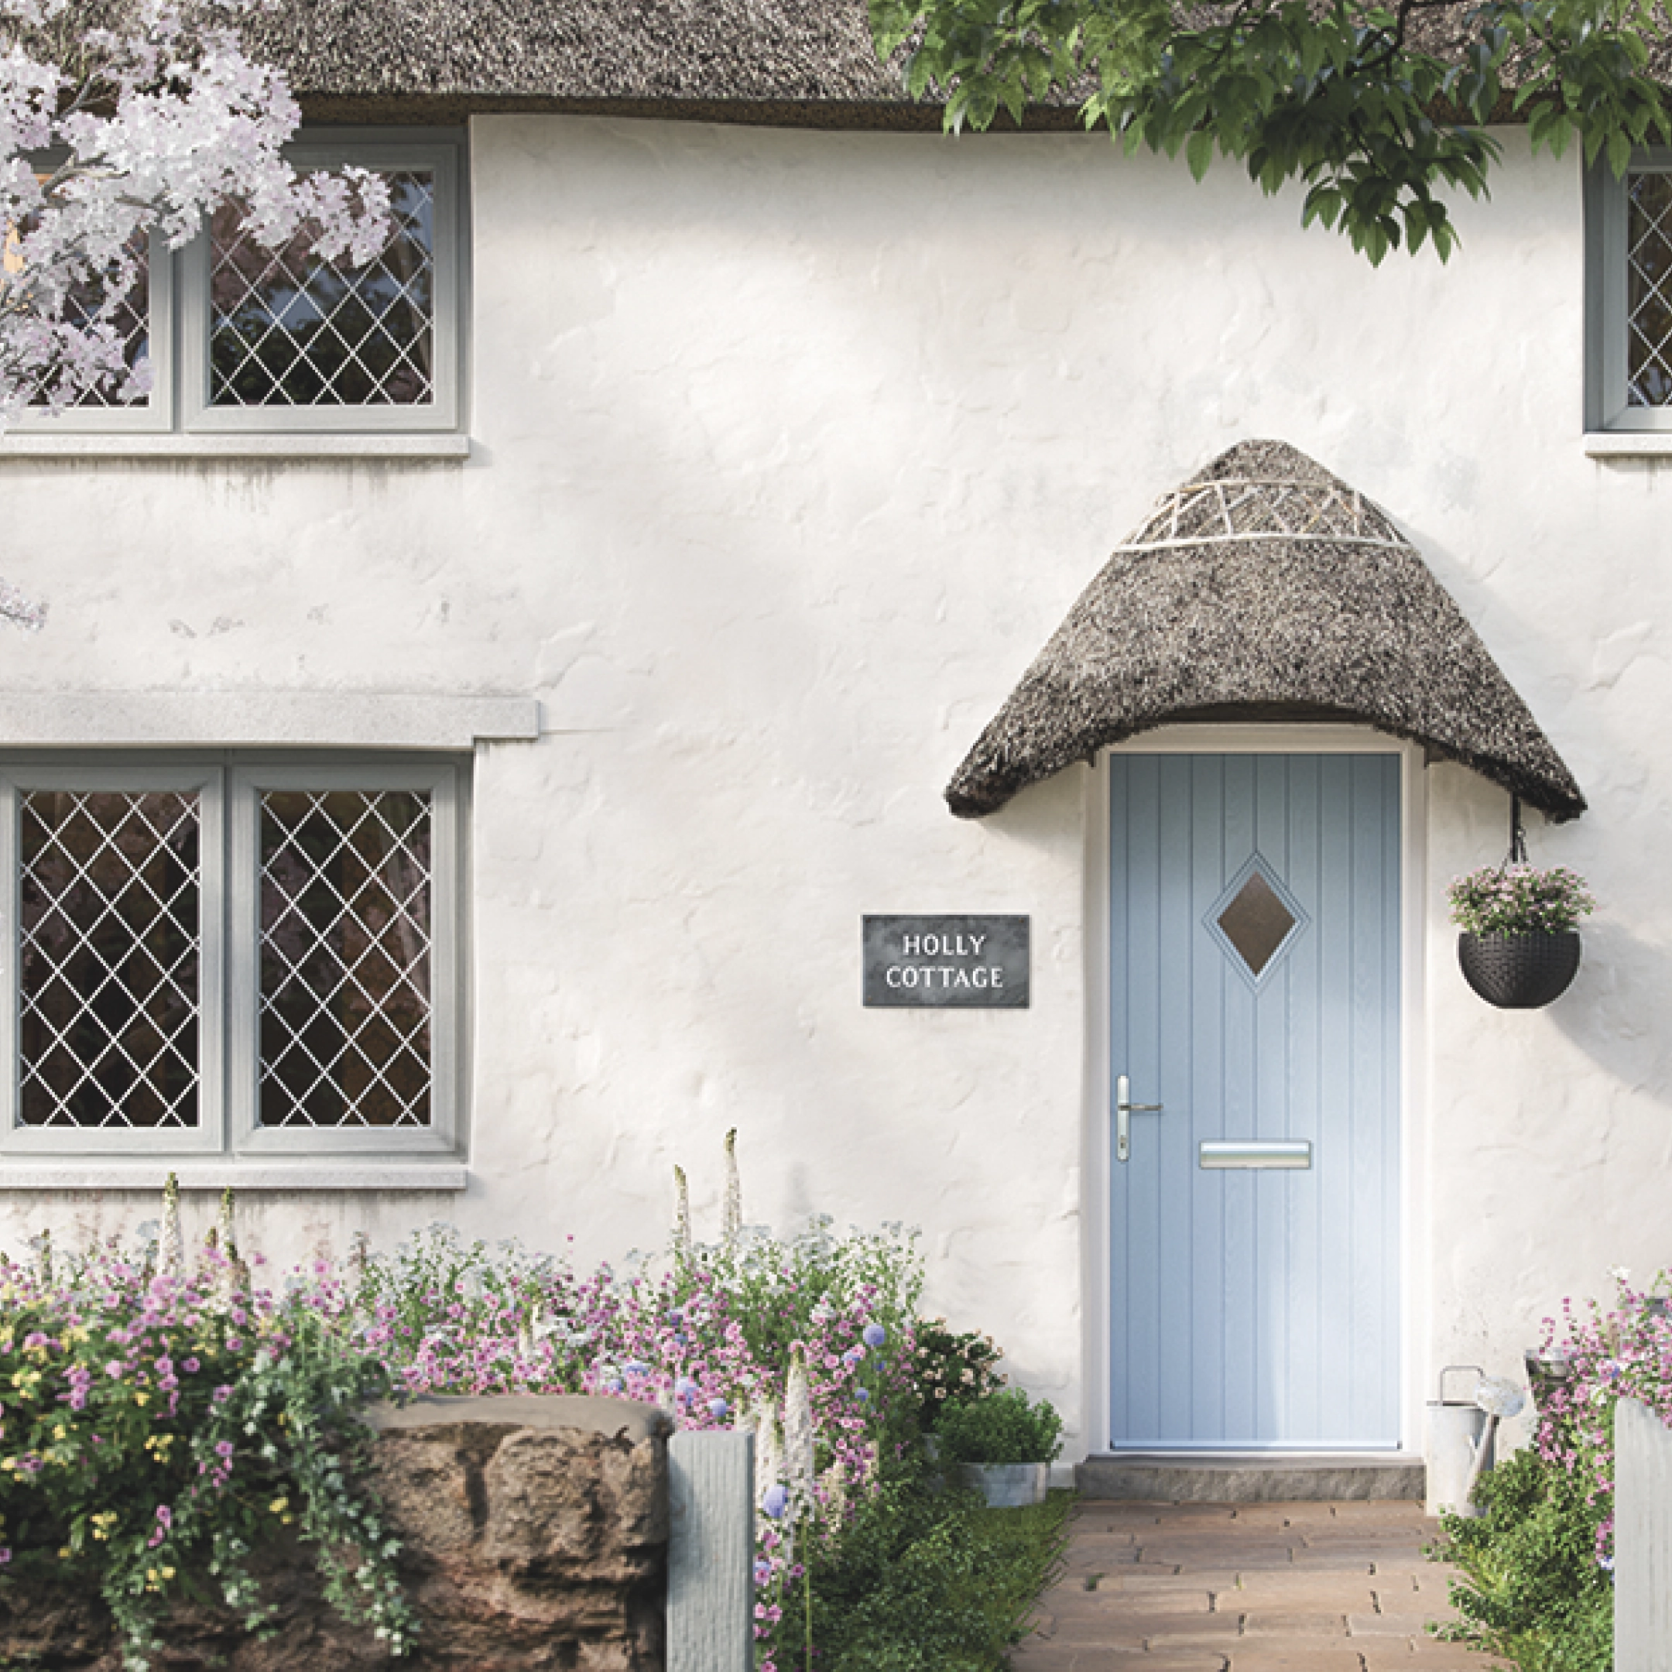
(1606, 232)
(180, 315)
(229, 783)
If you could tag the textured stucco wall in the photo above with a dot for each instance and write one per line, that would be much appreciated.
(790, 450)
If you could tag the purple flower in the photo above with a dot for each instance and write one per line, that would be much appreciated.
(763, 1570)
(776, 1501)
(875, 1335)
(717, 1407)
(191, 1367)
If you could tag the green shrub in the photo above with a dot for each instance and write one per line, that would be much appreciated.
(922, 1581)
(1532, 1588)
(1003, 1427)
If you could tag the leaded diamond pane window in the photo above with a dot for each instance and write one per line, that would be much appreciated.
(289, 329)
(242, 339)
(1649, 289)
(345, 958)
(108, 959)
(231, 953)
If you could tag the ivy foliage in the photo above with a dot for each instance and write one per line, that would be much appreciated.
(1378, 110)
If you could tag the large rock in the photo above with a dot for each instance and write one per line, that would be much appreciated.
(534, 1533)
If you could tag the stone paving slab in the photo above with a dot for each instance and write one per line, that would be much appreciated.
(1262, 1587)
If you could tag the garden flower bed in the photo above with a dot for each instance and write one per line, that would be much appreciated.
(1539, 1559)
(160, 1418)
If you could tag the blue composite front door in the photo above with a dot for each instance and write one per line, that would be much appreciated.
(1254, 1218)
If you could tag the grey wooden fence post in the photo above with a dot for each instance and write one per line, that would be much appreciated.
(711, 1552)
(1642, 1540)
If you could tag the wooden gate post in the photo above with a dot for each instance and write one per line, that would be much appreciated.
(1642, 1540)
(711, 1552)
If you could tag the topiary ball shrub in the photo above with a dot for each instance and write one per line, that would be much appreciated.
(1002, 1427)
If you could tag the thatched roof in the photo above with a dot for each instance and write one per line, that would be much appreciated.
(1264, 588)
(795, 62)
(789, 63)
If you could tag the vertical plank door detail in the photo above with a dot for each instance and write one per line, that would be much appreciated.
(1255, 1307)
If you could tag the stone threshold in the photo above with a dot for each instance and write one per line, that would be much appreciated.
(1251, 1477)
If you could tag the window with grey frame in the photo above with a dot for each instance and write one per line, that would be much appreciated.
(231, 955)
(243, 338)
(1628, 295)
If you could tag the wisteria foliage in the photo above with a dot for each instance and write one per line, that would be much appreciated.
(110, 135)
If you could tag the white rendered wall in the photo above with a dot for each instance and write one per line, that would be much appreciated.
(790, 450)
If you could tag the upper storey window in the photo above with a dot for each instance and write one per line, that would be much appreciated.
(1629, 296)
(241, 337)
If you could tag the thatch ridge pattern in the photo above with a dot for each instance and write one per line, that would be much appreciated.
(1264, 588)
(1262, 507)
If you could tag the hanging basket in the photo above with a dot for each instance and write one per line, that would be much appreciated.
(1519, 972)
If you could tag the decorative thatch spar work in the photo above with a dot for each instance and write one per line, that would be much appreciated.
(1264, 589)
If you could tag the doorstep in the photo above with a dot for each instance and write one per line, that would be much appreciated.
(1250, 1477)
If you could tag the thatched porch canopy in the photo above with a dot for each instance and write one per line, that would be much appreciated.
(1264, 589)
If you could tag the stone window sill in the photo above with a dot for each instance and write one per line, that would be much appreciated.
(269, 445)
(1628, 444)
(314, 1174)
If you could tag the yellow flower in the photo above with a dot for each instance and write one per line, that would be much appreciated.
(168, 1573)
(279, 1506)
(64, 1553)
(141, 1398)
(59, 1431)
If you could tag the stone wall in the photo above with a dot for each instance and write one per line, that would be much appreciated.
(535, 1532)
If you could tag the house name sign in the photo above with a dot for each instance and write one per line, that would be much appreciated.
(957, 963)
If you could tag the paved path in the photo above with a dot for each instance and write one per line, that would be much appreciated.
(1246, 1588)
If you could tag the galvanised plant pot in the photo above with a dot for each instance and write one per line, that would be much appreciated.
(1007, 1485)
(1519, 972)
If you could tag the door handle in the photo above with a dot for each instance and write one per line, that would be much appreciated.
(1125, 1108)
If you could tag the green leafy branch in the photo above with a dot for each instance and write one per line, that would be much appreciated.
(1380, 111)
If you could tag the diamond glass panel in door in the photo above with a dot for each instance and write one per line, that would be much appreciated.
(288, 329)
(1256, 922)
(1649, 290)
(345, 958)
(109, 955)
